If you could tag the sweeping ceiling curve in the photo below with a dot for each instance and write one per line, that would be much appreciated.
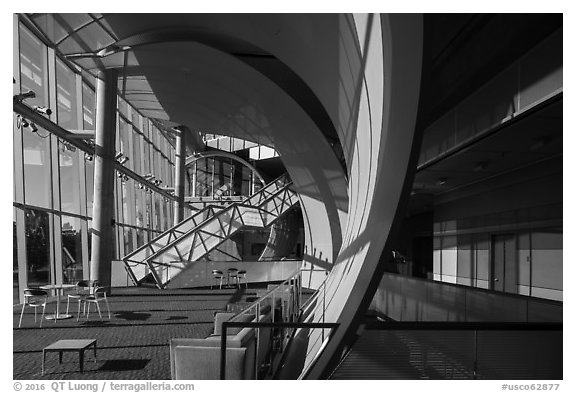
(260, 60)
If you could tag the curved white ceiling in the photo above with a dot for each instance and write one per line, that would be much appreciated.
(271, 79)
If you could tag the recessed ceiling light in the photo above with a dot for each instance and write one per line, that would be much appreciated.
(480, 166)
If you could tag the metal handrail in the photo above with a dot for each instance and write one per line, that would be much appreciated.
(127, 257)
(171, 230)
(279, 184)
(314, 296)
(434, 325)
(256, 304)
(295, 283)
(304, 311)
(294, 325)
(164, 248)
(297, 312)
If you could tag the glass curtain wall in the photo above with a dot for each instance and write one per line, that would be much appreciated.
(54, 181)
(218, 178)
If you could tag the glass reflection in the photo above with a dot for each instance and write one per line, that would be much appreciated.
(166, 220)
(124, 132)
(69, 178)
(89, 240)
(128, 243)
(15, 284)
(33, 67)
(136, 154)
(146, 157)
(140, 237)
(71, 250)
(37, 184)
(138, 194)
(37, 247)
(88, 107)
(66, 96)
(218, 177)
(148, 223)
(89, 168)
(127, 202)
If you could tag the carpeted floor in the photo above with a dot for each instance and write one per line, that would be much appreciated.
(133, 344)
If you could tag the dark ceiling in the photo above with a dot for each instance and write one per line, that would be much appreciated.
(463, 52)
(532, 139)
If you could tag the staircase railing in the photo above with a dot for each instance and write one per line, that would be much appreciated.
(254, 211)
(292, 312)
(136, 259)
(214, 231)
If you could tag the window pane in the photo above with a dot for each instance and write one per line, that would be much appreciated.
(127, 203)
(89, 240)
(33, 67)
(135, 119)
(67, 97)
(15, 285)
(157, 216)
(157, 162)
(69, 178)
(125, 142)
(88, 107)
(145, 127)
(140, 237)
(167, 223)
(128, 243)
(89, 187)
(136, 154)
(140, 220)
(146, 157)
(148, 219)
(37, 180)
(71, 249)
(37, 247)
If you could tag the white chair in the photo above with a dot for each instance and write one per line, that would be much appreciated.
(241, 275)
(232, 274)
(83, 289)
(95, 297)
(217, 275)
(34, 298)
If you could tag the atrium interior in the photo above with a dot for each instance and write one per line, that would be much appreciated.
(288, 196)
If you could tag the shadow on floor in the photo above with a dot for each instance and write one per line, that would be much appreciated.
(133, 316)
(124, 365)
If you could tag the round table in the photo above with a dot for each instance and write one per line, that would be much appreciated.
(58, 289)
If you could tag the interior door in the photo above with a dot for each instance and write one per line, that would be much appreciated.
(504, 270)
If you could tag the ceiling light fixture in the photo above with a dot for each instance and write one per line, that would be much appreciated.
(21, 97)
(540, 142)
(42, 110)
(480, 166)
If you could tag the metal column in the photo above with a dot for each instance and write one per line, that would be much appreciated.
(103, 210)
(180, 177)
